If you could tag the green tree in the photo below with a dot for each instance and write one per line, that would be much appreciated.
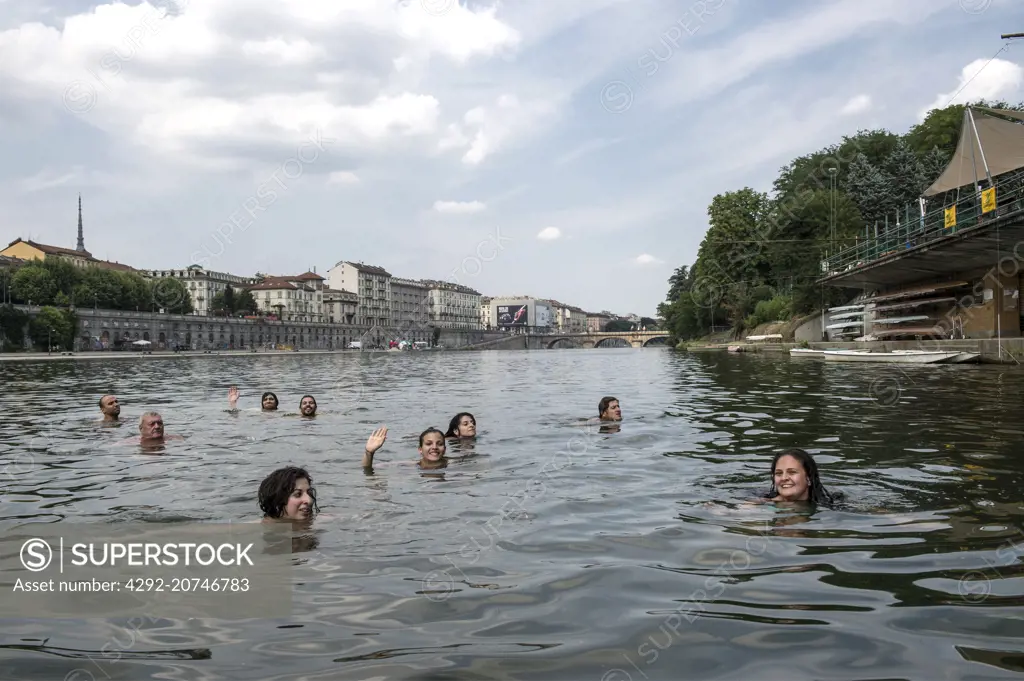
(12, 328)
(33, 283)
(245, 303)
(731, 256)
(804, 237)
(933, 164)
(906, 176)
(870, 190)
(6, 280)
(172, 296)
(65, 275)
(51, 326)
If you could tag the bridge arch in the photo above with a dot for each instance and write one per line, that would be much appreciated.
(613, 342)
(562, 342)
(657, 340)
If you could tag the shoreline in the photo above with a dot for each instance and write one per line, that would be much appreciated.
(163, 354)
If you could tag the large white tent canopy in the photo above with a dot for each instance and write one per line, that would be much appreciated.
(989, 145)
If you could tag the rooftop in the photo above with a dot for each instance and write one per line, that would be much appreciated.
(369, 269)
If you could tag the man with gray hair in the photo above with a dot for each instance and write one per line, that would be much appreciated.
(151, 431)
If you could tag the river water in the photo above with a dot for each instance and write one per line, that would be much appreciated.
(551, 550)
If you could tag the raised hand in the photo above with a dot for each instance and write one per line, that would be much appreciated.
(376, 440)
(232, 396)
(373, 443)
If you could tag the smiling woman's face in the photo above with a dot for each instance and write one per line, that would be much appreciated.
(791, 479)
(433, 447)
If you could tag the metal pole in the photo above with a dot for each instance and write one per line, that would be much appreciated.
(981, 150)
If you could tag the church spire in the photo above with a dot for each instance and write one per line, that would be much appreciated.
(81, 237)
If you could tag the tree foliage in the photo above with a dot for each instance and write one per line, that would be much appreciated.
(12, 328)
(229, 304)
(53, 326)
(761, 255)
(56, 281)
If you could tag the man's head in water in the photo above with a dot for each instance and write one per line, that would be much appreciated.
(151, 427)
(110, 407)
(307, 405)
(609, 410)
(432, 447)
(269, 401)
(288, 494)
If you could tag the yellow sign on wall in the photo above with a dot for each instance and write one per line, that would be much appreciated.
(950, 216)
(988, 200)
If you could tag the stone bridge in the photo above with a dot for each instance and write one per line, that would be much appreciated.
(536, 341)
(598, 339)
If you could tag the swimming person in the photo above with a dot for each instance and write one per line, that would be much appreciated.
(287, 494)
(795, 478)
(110, 408)
(268, 401)
(151, 432)
(608, 409)
(431, 448)
(307, 406)
(462, 425)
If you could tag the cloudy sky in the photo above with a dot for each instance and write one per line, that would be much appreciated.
(555, 148)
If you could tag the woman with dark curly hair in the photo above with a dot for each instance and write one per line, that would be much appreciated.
(462, 426)
(288, 494)
(795, 478)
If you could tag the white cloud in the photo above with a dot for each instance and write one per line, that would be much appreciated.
(856, 104)
(201, 83)
(647, 259)
(277, 51)
(1001, 79)
(487, 129)
(459, 207)
(549, 234)
(342, 177)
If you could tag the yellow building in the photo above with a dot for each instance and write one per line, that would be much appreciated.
(33, 250)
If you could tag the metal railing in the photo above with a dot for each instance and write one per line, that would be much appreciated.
(919, 230)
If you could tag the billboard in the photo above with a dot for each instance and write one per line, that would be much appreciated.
(512, 315)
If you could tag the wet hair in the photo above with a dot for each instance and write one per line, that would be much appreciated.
(278, 486)
(453, 425)
(427, 432)
(264, 396)
(142, 419)
(816, 492)
(602, 406)
(304, 397)
(101, 401)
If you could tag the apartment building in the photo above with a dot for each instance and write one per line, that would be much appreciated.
(452, 306)
(292, 299)
(340, 306)
(569, 318)
(410, 309)
(202, 284)
(596, 321)
(371, 284)
(485, 312)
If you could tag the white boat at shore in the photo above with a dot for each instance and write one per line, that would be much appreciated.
(805, 352)
(895, 357)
